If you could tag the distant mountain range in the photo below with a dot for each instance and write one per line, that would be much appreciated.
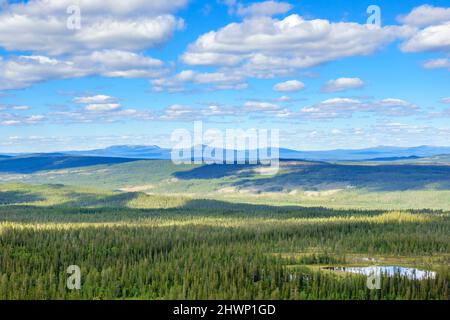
(381, 153)
(127, 152)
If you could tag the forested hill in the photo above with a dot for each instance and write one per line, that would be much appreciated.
(56, 161)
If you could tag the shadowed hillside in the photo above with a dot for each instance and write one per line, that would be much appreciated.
(323, 176)
(16, 197)
(164, 176)
(36, 163)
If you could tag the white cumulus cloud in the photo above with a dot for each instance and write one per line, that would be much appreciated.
(41, 25)
(437, 63)
(289, 86)
(24, 71)
(95, 99)
(266, 8)
(265, 46)
(102, 107)
(433, 38)
(209, 80)
(343, 84)
(426, 15)
(347, 107)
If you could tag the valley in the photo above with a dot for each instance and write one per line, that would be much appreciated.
(147, 229)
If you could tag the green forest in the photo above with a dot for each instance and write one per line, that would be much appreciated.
(137, 246)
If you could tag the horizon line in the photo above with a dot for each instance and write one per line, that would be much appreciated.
(211, 146)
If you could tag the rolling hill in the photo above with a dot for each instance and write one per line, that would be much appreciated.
(55, 161)
(403, 182)
(162, 176)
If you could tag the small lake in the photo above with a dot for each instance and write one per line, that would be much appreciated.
(390, 271)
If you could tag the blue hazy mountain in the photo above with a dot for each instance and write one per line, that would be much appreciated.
(377, 153)
(127, 151)
(157, 153)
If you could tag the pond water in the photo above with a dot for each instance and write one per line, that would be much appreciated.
(410, 273)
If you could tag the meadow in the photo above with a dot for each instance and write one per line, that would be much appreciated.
(133, 245)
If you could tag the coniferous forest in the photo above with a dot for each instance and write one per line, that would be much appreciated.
(207, 249)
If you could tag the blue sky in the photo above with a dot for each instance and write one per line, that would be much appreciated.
(133, 72)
